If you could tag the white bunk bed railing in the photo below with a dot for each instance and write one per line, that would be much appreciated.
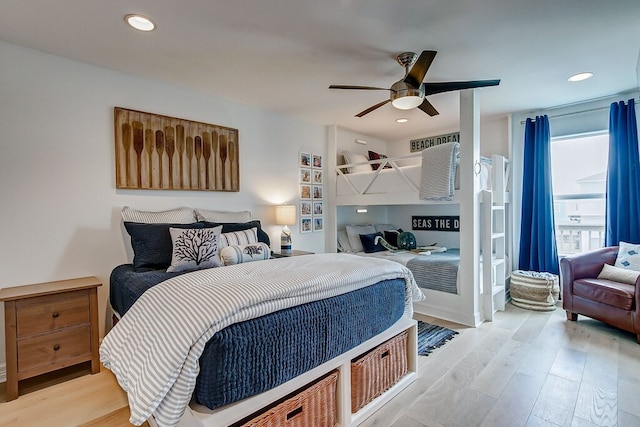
(383, 162)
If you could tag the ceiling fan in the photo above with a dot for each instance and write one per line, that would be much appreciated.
(410, 92)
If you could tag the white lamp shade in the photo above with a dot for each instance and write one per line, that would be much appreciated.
(286, 215)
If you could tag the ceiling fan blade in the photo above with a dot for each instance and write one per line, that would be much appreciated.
(419, 69)
(370, 109)
(428, 108)
(431, 88)
(357, 87)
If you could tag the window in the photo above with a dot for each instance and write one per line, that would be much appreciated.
(579, 173)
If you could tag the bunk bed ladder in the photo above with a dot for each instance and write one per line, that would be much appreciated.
(494, 243)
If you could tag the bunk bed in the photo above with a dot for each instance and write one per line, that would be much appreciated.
(482, 196)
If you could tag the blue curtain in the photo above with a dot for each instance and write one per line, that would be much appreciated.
(538, 251)
(622, 221)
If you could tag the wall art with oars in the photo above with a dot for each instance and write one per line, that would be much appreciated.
(155, 152)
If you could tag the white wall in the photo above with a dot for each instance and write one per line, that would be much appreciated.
(60, 208)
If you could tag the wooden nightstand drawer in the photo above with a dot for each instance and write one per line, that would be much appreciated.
(50, 312)
(55, 349)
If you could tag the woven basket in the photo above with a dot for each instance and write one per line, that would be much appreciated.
(534, 291)
(376, 371)
(315, 406)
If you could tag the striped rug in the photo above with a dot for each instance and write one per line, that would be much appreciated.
(431, 337)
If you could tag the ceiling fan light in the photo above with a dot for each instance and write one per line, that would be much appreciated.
(407, 102)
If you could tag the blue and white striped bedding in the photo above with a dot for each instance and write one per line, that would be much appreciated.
(154, 349)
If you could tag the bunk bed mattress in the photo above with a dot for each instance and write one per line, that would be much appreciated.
(242, 360)
(438, 271)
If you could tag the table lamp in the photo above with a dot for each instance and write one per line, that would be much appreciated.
(285, 215)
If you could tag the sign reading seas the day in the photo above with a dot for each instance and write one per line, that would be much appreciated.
(435, 223)
(421, 144)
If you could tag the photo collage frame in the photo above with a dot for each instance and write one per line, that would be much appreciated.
(311, 192)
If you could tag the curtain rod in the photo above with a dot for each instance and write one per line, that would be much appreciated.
(553, 116)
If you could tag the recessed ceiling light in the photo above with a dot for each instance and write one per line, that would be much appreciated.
(580, 76)
(140, 22)
(402, 120)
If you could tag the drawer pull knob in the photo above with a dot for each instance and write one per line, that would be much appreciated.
(55, 314)
(56, 347)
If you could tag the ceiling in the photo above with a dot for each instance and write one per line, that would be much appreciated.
(281, 55)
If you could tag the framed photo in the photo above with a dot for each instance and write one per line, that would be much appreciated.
(318, 208)
(317, 176)
(305, 191)
(305, 175)
(317, 223)
(305, 208)
(317, 191)
(317, 161)
(305, 225)
(305, 160)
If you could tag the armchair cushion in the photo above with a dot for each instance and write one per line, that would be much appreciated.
(628, 256)
(615, 294)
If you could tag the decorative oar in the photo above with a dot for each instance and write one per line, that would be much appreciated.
(149, 144)
(206, 141)
(180, 147)
(171, 149)
(160, 150)
(189, 156)
(126, 143)
(214, 142)
(232, 162)
(223, 159)
(198, 148)
(138, 147)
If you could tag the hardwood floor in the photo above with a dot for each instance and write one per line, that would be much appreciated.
(525, 368)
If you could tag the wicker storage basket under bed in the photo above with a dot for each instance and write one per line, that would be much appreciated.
(534, 291)
(375, 372)
(314, 406)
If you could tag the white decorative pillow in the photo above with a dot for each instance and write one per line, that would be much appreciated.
(618, 274)
(194, 248)
(350, 157)
(343, 241)
(354, 232)
(173, 216)
(236, 254)
(244, 237)
(222, 216)
(628, 256)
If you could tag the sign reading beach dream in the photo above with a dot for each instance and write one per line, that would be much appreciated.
(435, 223)
(422, 143)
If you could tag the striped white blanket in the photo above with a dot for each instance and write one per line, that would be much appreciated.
(154, 349)
(437, 181)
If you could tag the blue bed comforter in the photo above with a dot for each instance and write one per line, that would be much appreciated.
(250, 357)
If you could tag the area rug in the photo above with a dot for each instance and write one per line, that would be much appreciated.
(431, 337)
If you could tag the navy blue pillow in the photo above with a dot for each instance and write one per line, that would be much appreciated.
(391, 236)
(368, 243)
(228, 227)
(151, 243)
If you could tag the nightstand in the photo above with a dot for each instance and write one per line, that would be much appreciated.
(289, 254)
(50, 326)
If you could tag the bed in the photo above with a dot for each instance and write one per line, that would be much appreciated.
(229, 368)
(476, 185)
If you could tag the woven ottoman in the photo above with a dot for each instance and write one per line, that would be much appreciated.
(534, 290)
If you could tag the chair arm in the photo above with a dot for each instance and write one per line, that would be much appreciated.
(587, 264)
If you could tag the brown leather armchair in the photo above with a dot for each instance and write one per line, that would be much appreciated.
(614, 303)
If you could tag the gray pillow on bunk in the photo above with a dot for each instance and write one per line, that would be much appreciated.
(343, 241)
(354, 232)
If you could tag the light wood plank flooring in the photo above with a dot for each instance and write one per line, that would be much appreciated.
(524, 369)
